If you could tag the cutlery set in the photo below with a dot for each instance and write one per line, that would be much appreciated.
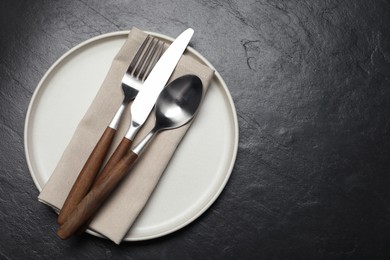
(144, 81)
(132, 81)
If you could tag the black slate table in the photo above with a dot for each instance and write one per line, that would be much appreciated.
(311, 85)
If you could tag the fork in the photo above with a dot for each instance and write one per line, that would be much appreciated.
(143, 62)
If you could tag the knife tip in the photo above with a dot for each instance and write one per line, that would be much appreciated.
(189, 31)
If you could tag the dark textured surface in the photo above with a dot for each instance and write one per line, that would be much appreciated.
(311, 84)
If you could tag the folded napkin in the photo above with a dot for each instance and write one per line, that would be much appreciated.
(122, 208)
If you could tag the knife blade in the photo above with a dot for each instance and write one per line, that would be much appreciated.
(158, 77)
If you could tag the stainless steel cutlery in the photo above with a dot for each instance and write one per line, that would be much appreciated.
(141, 65)
(72, 217)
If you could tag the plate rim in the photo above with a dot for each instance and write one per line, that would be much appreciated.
(167, 38)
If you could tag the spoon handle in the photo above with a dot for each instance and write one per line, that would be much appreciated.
(100, 191)
(87, 175)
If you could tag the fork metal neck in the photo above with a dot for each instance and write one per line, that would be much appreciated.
(117, 117)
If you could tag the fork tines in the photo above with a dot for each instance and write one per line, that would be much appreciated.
(150, 51)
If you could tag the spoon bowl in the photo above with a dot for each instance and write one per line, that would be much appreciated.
(176, 106)
(178, 102)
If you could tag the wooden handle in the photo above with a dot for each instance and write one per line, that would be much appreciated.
(119, 153)
(87, 175)
(95, 198)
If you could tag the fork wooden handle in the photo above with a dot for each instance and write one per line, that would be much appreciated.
(87, 175)
(100, 191)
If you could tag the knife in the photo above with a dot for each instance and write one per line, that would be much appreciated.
(146, 98)
(140, 110)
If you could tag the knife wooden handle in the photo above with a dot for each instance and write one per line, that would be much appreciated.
(96, 197)
(87, 175)
(119, 153)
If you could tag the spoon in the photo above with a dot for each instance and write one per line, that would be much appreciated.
(176, 106)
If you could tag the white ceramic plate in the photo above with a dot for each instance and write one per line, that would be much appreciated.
(184, 192)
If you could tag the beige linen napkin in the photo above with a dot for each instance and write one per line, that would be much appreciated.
(120, 211)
